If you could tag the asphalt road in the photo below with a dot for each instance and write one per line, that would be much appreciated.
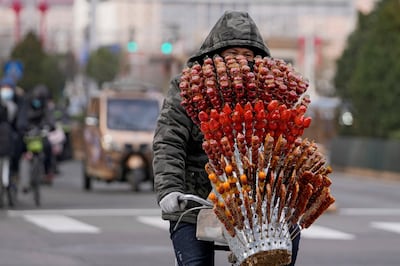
(113, 226)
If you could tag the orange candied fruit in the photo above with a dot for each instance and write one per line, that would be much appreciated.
(262, 175)
(213, 197)
(227, 186)
(228, 169)
(221, 189)
(243, 179)
(232, 182)
(213, 178)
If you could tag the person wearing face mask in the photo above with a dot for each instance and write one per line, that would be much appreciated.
(179, 159)
(7, 94)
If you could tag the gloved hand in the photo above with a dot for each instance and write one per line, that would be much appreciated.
(172, 203)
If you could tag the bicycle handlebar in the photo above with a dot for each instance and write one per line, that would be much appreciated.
(196, 199)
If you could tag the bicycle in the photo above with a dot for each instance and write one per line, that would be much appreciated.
(208, 227)
(34, 146)
(8, 183)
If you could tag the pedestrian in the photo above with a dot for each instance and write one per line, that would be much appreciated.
(9, 101)
(179, 159)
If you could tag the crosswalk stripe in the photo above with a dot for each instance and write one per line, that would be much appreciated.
(321, 232)
(387, 226)
(369, 211)
(313, 232)
(60, 224)
(85, 212)
(154, 221)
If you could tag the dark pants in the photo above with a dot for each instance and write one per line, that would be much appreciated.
(192, 252)
(48, 155)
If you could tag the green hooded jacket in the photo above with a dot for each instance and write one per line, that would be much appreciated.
(179, 159)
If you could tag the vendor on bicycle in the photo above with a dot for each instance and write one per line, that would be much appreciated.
(179, 159)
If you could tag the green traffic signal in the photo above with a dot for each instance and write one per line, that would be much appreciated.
(132, 47)
(166, 48)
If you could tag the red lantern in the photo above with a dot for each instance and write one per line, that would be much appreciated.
(17, 6)
(43, 6)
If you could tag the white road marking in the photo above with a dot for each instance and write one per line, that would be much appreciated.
(154, 221)
(60, 224)
(86, 212)
(320, 232)
(387, 226)
(155, 211)
(313, 232)
(369, 211)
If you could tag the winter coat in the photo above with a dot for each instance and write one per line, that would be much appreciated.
(6, 140)
(29, 117)
(179, 159)
(5, 133)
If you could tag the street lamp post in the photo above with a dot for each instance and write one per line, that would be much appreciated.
(17, 6)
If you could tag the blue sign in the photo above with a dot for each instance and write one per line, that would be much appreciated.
(13, 69)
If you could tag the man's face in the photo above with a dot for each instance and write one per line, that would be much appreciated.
(235, 51)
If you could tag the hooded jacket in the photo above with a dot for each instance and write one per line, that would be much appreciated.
(179, 159)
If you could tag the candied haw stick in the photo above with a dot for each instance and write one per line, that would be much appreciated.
(321, 204)
(238, 119)
(259, 206)
(292, 202)
(225, 217)
(223, 81)
(268, 205)
(301, 203)
(282, 200)
(247, 205)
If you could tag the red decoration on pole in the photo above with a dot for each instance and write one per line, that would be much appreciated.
(17, 6)
(301, 49)
(43, 7)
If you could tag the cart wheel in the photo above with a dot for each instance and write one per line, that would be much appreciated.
(135, 177)
(2, 190)
(87, 181)
(12, 194)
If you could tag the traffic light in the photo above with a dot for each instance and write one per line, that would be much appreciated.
(132, 46)
(166, 48)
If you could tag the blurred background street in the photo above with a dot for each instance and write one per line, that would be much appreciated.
(93, 54)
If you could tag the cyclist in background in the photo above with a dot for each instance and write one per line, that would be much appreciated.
(37, 115)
